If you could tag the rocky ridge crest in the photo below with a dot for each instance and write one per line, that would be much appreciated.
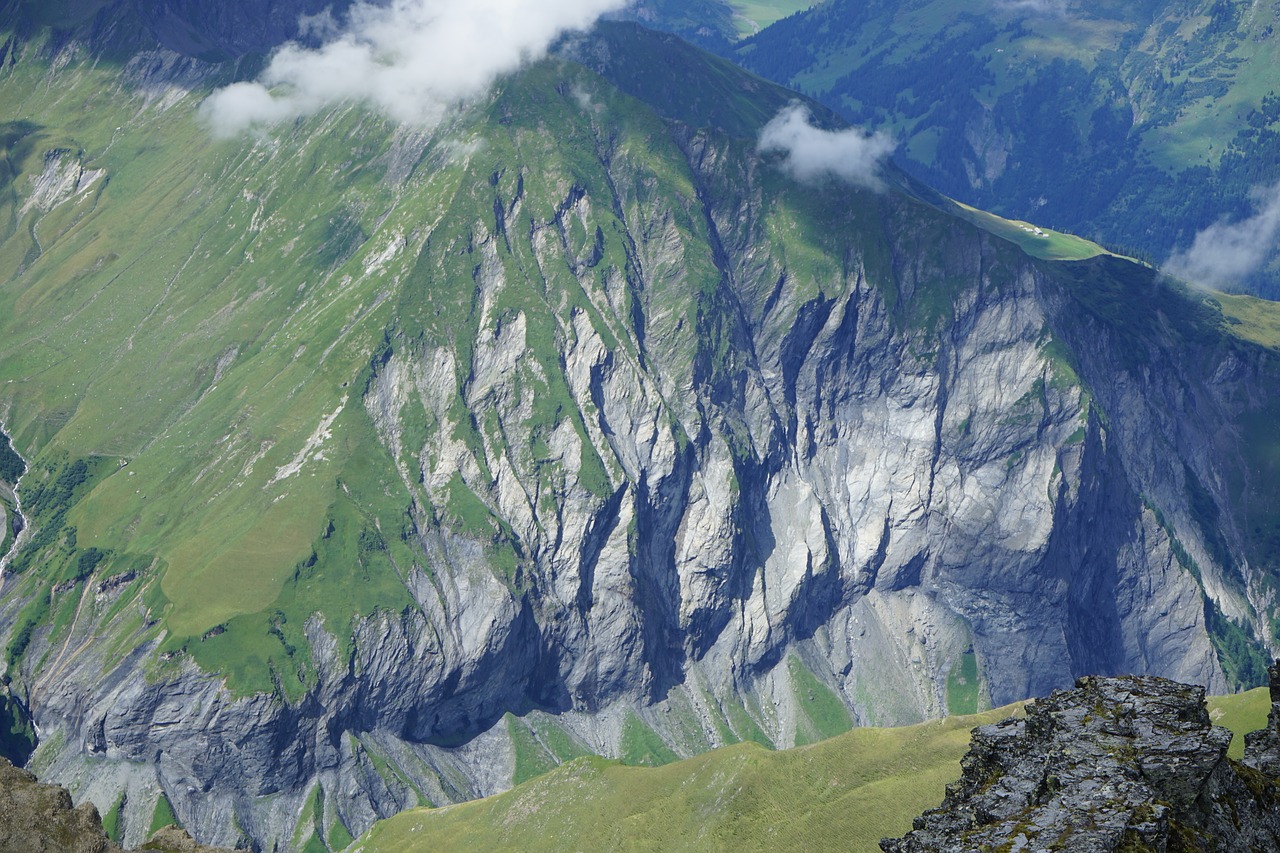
(1125, 763)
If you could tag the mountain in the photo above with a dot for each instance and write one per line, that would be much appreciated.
(371, 465)
(1137, 124)
(213, 32)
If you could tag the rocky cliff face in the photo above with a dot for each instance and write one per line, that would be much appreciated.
(670, 451)
(1115, 764)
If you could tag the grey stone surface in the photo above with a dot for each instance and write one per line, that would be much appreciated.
(1127, 763)
(1262, 748)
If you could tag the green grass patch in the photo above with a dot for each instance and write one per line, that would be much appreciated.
(822, 714)
(641, 745)
(1241, 713)
(30, 617)
(162, 816)
(964, 692)
(1043, 243)
(755, 15)
(1252, 319)
(554, 737)
(305, 834)
(340, 837)
(112, 823)
(315, 844)
(743, 725)
(532, 759)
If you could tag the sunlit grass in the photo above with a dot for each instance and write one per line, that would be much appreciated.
(845, 793)
(1036, 241)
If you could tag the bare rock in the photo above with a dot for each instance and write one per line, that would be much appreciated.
(1262, 748)
(1128, 763)
(39, 818)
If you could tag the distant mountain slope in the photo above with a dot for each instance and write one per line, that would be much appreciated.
(1136, 124)
(841, 794)
(211, 31)
(373, 465)
(713, 24)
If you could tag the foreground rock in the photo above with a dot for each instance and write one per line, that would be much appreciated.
(1128, 763)
(1262, 748)
(39, 818)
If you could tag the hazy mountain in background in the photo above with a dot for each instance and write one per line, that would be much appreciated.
(1141, 125)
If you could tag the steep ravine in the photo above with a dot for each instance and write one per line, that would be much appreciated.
(12, 521)
(676, 452)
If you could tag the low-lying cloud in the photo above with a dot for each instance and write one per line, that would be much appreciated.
(810, 153)
(410, 59)
(1228, 253)
(1046, 8)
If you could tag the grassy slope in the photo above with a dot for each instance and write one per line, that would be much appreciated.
(715, 23)
(755, 15)
(1038, 242)
(845, 793)
(142, 352)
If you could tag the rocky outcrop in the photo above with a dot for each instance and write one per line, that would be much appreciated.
(1128, 763)
(39, 818)
(1262, 748)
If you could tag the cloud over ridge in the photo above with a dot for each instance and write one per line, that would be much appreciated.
(810, 153)
(409, 59)
(1228, 253)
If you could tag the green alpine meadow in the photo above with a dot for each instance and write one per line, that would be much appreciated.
(613, 437)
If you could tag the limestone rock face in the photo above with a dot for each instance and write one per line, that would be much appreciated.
(1128, 763)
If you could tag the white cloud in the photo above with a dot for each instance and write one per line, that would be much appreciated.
(810, 153)
(1227, 253)
(1048, 8)
(321, 26)
(410, 59)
